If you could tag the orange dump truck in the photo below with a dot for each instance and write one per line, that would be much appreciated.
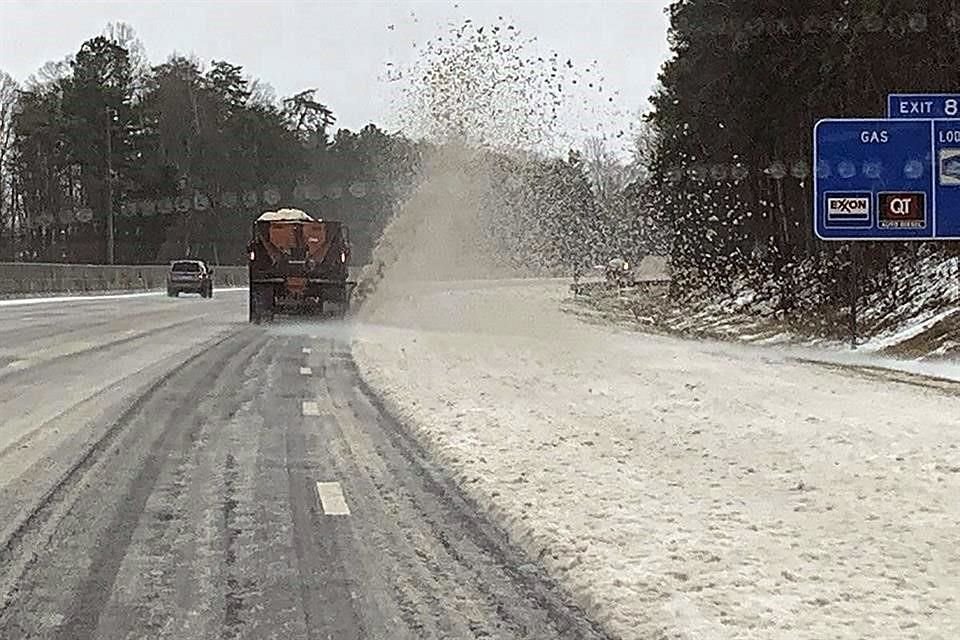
(297, 265)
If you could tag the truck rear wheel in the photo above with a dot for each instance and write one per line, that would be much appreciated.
(343, 309)
(254, 315)
(261, 304)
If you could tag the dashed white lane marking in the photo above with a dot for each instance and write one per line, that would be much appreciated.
(307, 350)
(311, 409)
(331, 499)
(306, 371)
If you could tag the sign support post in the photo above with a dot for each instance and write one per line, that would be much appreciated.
(854, 292)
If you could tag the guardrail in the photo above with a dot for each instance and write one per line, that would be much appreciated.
(28, 278)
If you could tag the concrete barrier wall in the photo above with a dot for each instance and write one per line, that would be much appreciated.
(26, 278)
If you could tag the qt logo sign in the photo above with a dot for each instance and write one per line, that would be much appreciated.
(902, 210)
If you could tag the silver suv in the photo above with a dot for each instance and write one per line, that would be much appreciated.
(190, 276)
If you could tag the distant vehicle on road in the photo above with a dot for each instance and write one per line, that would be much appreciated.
(297, 265)
(617, 273)
(190, 276)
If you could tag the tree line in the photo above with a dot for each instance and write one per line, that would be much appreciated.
(184, 154)
(730, 171)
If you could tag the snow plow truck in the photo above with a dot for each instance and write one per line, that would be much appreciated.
(298, 265)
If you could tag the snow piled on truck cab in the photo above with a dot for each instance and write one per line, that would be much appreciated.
(286, 215)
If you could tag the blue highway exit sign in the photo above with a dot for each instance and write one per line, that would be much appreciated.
(883, 179)
(923, 105)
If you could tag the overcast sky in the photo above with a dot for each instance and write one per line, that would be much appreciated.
(341, 48)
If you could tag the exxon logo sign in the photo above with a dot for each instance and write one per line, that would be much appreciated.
(848, 207)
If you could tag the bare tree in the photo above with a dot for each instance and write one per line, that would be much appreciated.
(608, 175)
(8, 101)
(262, 94)
(122, 34)
(51, 73)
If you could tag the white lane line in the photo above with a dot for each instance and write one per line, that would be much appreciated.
(17, 364)
(331, 499)
(307, 350)
(311, 409)
(306, 371)
(19, 302)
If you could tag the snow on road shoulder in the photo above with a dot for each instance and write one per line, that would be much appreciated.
(680, 489)
(909, 330)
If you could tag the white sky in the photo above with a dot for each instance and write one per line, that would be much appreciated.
(341, 48)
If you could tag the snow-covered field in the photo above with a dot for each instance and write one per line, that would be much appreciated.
(683, 489)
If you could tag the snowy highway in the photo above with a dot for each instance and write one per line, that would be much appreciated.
(168, 471)
(466, 460)
(624, 341)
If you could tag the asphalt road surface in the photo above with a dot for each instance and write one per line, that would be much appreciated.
(169, 471)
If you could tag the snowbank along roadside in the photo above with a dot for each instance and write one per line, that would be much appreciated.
(916, 316)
